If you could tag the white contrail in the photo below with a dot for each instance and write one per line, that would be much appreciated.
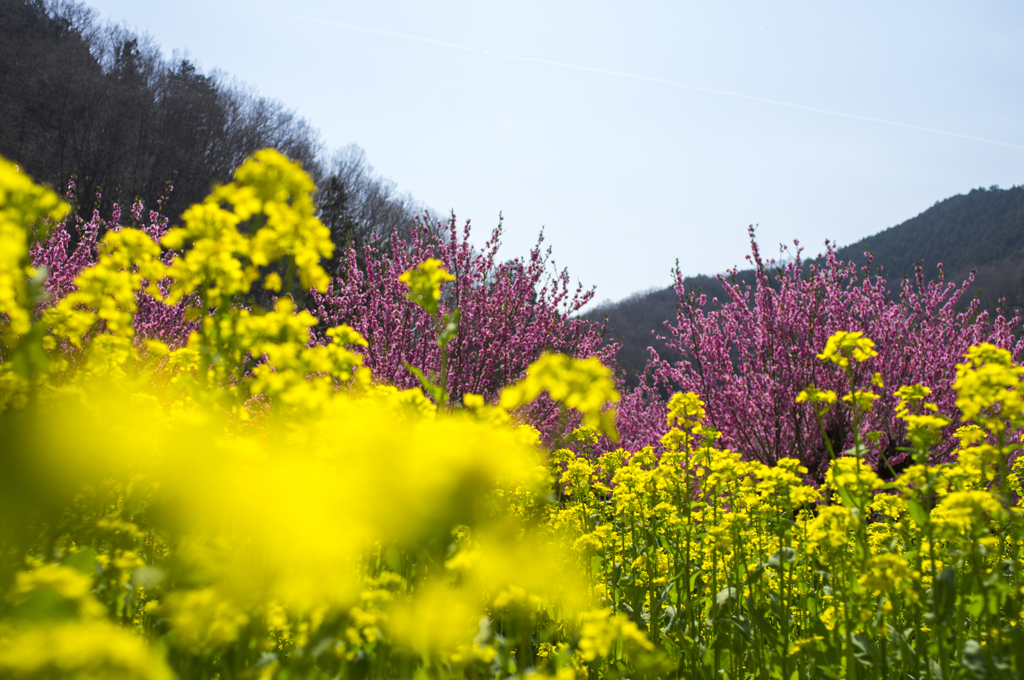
(633, 76)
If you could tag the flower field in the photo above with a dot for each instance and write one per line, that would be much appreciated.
(192, 486)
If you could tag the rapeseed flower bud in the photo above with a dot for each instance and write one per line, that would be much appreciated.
(887, 573)
(913, 396)
(830, 532)
(106, 291)
(581, 384)
(203, 620)
(988, 378)
(890, 506)
(577, 474)
(425, 283)
(23, 207)
(685, 410)
(782, 483)
(966, 514)
(864, 400)
(854, 475)
(602, 632)
(479, 407)
(223, 260)
(844, 345)
(822, 398)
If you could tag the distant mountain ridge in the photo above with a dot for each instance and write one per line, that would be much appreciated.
(963, 232)
(981, 230)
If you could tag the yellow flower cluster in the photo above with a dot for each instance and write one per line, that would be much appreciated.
(602, 635)
(700, 545)
(987, 380)
(348, 518)
(425, 283)
(253, 506)
(843, 346)
(923, 428)
(79, 651)
(25, 211)
(106, 291)
(581, 384)
(273, 196)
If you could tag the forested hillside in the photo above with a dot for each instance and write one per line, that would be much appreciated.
(982, 230)
(99, 103)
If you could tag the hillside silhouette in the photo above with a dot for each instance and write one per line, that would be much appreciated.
(98, 103)
(982, 230)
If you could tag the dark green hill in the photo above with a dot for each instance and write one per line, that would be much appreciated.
(99, 102)
(982, 230)
(964, 232)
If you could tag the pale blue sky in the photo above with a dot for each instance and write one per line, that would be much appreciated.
(581, 117)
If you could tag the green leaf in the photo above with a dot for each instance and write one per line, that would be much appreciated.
(722, 599)
(864, 651)
(670, 619)
(430, 388)
(845, 496)
(917, 512)
(265, 659)
(723, 596)
(675, 652)
(974, 605)
(451, 327)
(147, 577)
(743, 626)
(785, 555)
(322, 646)
(84, 561)
(974, 660)
(945, 595)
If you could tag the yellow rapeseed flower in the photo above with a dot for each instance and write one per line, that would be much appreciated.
(989, 377)
(424, 282)
(844, 345)
(966, 514)
(24, 206)
(582, 384)
(602, 632)
(79, 651)
(887, 573)
(685, 410)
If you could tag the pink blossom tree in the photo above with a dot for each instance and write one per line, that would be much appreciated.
(509, 312)
(750, 356)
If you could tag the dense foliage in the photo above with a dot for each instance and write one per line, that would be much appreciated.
(253, 504)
